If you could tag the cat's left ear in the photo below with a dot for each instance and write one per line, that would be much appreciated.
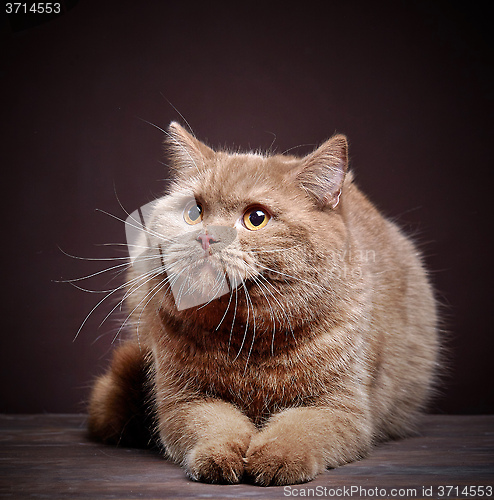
(323, 171)
(186, 151)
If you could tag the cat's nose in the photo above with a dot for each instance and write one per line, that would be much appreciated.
(206, 240)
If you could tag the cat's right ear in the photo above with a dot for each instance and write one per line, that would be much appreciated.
(323, 171)
(185, 150)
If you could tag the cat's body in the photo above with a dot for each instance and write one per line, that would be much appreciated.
(324, 344)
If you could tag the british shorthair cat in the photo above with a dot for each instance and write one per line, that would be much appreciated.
(280, 324)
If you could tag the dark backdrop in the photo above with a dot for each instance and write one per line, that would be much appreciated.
(410, 83)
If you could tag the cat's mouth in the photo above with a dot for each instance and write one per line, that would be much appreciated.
(204, 266)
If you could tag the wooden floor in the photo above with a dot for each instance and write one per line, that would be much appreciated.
(48, 456)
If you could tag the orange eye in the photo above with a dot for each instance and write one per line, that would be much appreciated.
(193, 213)
(255, 218)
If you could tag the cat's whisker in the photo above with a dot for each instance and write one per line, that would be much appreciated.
(258, 280)
(312, 284)
(218, 284)
(178, 295)
(295, 147)
(92, 275)
(226, 310)
(154, 125)
(109, 293)
(139, 247)
(270, 149)
(156, 271)
(280, 306)
(249, 301)
(246, 326)
(181, 115)
(272, 315)
(92, 310)
(139, 226)
(115, 245)
(174, 277)
(125, 322)
(89, 259)
(87, 290)
(233, 320)
(123, 208)
(162, 285)
(119, 266)
(157, 287)
(132, 289)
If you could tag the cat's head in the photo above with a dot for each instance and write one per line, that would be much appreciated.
(241, 241)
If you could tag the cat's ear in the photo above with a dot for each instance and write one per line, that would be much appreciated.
(186, 151)
(323, 171)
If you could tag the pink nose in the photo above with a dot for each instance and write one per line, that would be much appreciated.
(206, 240)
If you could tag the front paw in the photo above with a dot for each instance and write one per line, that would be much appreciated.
(216, 461)
(281, 459)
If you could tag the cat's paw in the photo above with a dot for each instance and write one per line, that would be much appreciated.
(280, 460)
(217, 461)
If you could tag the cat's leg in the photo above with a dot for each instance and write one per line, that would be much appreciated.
(208, 437)
(120, 406)
(299, 443)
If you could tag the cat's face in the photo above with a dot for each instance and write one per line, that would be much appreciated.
(240, 240)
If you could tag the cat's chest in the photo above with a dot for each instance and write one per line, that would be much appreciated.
(263, 389)
(258, 387)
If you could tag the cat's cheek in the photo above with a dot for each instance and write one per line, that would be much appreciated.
(280, 460)
(217, 461)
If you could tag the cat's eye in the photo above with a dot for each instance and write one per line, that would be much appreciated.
(193, 213)
(255, 218)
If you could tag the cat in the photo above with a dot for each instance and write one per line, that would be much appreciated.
(280, 325)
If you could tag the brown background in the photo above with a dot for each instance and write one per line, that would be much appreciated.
(410, 83)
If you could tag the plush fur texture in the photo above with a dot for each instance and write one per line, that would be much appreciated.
(325, 344)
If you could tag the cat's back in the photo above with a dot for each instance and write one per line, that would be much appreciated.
(402, 332)
(386, 253)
